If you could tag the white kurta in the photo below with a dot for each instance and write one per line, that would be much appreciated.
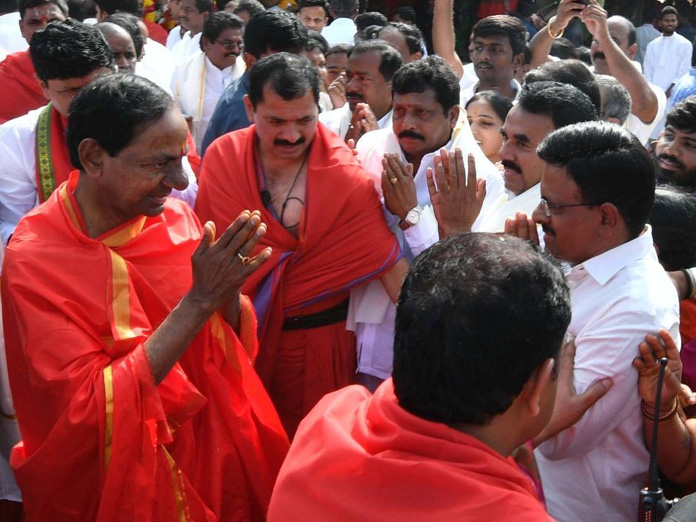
(667, 58)
(11, 39)
(197, 87)
(187, 47)
(371, 312)
(340, 31)
(156, 65)
(18, 194)
(508, 208)
(174, 37)
(338, 120)
(595, 469)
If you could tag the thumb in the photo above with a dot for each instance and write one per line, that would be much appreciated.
(595, 392)
(208, 238)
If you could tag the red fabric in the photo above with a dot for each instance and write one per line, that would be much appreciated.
(208, 427)
(60, 156)
(192, 155)
(343, 242)
(494, 7)
(21, 92)
(157, 32)
(362, 457)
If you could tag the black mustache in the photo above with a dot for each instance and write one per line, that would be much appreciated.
(411, 134)
(286, 143)
(511, 165)
(599, 56)
(672, 159)
(353, 94)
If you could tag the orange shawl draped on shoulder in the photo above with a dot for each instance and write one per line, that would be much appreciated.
(362, 457)
(21, 92)
(101, 441)
(344, 240)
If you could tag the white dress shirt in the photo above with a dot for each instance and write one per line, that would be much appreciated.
(197, 87)
(509, 207)
(466, 94)
(642, 130)
(156, 64)
(11, 39)
(187, 47)
(174, 37)
(18, 194)
(371, 312)
(340, 31)
(594, 470)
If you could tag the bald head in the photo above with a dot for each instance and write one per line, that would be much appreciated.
(623, 33)
(121, 45)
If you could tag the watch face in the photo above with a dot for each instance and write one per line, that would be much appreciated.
(412, 217)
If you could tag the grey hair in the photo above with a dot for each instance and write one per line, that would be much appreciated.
(616, 101)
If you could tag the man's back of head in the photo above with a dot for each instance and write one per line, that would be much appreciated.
(274, 31)
(467, 340)
(344, 8)
(571, 72)
(616, 100)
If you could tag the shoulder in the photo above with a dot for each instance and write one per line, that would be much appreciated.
(23, 127)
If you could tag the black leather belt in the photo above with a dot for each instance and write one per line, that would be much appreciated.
(324, 318)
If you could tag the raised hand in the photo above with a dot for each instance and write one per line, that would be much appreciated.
(652, 350)
(456, 195)
(523, 227)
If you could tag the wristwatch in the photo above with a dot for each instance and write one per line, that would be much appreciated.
(412, 218)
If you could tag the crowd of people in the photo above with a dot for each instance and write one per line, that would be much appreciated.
(290, 261)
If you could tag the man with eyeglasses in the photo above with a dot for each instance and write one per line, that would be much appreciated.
(200, 81)
(597, 192)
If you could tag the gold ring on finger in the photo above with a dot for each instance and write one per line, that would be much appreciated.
(244, 259)
(393, 180)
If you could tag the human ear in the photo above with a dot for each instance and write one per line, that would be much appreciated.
(249, 108)
(537, 383)
(91, 156)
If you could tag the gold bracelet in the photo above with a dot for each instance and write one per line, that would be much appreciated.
(548, 29)
(649, 412)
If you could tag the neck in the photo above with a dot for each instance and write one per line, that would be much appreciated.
(96, 222)
(503, 86)
(280, 168)
(381, 112)
(416, 160)
(494, 434)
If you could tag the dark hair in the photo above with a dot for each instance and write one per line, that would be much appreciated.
(277, 31)
(561, 102)
(609, 165)
(584, 55)
(673, 221)
(683, 115)
(68, 49)
(503, 25)
(8, 6)
(316, 41)
(313, 3)
(290, 76)
(28, 4)
(668, 10)
(365, 20)
(120, 6)
(126, 101)
(467, 339)
(571, 72)
(405, 12)
(391, 58)
(253, 7)
(129, 22)
(216, 23)
(412, 35)
(500, 104)
(205, 6)
(429, 73)
(339, 49)
(563, 48)
(343, 8)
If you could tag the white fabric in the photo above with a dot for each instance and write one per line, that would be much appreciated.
(340, 31)
(3, 54)
(174, 37)
(156, 64)
(645, 34)
(508, 207)
(371, 312)
(186, 48)
(18, 193)
(11, 39)
(667, 59)
(466, 94)
(197, 87)
(468, 78)
(338, 120)
(643, 130)
(595, 469)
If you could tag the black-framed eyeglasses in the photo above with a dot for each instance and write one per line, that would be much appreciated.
(548, 207)
(231, 45)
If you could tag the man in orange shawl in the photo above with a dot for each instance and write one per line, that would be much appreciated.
(21, 91)
(129, 344)
(473, 379)
(325, 226)
(67, 56)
